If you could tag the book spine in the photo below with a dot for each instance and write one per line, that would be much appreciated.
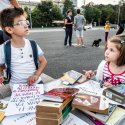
(114, 96)
(48, 115)
(66, 110)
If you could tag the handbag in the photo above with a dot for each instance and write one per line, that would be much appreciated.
(5, 90)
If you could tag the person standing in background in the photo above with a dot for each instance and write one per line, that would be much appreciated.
(107, 28)
(6, 4)
(120, 29)
(68, 30)
(79, 22)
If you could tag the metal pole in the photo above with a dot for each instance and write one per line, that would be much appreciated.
(118, 14)
(120, 4)
(30, 14)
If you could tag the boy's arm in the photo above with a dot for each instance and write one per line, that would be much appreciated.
(2, 67)
(42, 65)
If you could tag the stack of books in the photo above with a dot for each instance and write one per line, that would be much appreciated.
(52, 113)
(56, 106)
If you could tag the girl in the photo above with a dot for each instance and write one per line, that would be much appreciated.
(107, 28)
(112, 70)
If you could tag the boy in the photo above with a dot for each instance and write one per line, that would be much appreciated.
(22, 68)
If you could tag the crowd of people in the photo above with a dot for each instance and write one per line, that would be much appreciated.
(17, 56)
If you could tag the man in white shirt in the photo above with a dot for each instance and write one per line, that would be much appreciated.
(79, 21)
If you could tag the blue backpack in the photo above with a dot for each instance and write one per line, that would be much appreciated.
(7, 52)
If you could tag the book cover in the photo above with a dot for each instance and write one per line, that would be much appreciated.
(101, 117)
(117, 116)
(71, 76)
(2, 115)
(91, 103)
(116, 93)
(52, 107)
(59, 94)
(3, 106)
(73, 120)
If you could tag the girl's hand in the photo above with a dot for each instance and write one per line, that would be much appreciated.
(89, 74)
(32, 79)
(1, 79)
(107, 84)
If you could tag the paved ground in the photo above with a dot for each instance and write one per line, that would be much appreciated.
(61, 59)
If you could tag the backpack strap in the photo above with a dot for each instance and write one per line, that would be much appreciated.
(35, 52)
(7, 52)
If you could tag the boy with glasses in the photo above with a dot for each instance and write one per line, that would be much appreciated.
(23, 70)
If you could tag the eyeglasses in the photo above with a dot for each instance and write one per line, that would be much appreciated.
(22, 23)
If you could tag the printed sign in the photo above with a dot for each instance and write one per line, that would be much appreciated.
(24, 99)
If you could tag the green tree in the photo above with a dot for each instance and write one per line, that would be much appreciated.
(92, 14)
(68, 5)
(45, 13)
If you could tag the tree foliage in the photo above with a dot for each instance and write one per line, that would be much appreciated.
(68, 5)
(45, 13)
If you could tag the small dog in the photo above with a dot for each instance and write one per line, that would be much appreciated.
(96, 43)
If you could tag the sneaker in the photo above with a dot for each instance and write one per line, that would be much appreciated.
(83, 46)
(66, 46)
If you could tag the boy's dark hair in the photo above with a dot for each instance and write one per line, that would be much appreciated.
(119, 40)
(78, 11)
(69, 10)
(8, 15)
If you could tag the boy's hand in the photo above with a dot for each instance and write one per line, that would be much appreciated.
(32, 79)
(89, 74)
(107, 84)
(1, 79)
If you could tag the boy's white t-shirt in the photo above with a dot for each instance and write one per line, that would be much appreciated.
(4, 4)
(22, 62)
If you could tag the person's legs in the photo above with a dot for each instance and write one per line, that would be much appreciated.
(81, 38)
(78, 37)
(106, 36)
(66, 36)
(70, 36)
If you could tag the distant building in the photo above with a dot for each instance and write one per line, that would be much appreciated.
(28, 3)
